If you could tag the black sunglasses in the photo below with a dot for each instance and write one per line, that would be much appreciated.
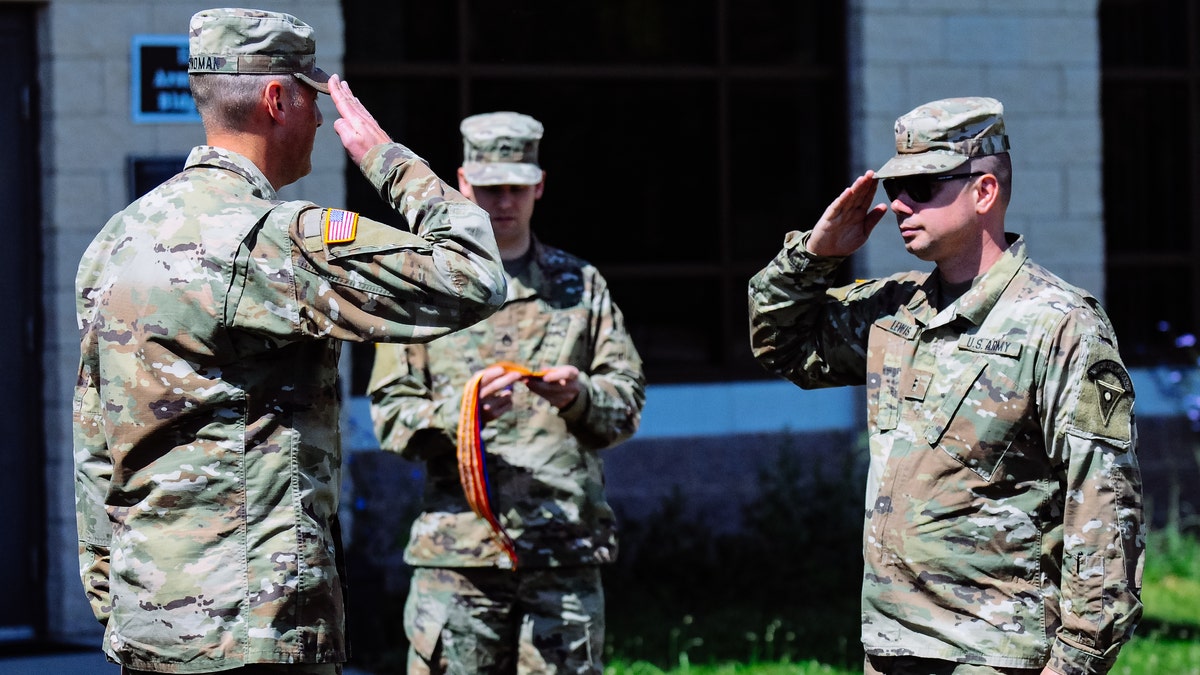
(920, 186)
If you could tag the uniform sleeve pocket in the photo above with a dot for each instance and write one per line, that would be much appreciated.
(883, 393)
(1091, 586)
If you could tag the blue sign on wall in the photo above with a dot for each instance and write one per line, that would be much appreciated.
(160, 84)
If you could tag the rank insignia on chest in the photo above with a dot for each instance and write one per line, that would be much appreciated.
(340, 226)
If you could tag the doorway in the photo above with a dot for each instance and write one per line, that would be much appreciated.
(22, 499)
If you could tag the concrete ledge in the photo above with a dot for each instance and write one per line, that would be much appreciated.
(691, 410)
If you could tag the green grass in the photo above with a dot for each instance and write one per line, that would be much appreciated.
(1159, 655)
(1167, 641)
(1171, 581)
(783, 668)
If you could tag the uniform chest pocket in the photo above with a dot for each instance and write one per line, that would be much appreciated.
(975, 416)
(557, 338)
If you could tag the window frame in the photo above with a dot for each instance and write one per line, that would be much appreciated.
(727, 273)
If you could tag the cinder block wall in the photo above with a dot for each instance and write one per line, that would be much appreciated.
(1041, 58)
(87, 136)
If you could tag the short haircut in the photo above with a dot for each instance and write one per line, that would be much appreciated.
(225, 101)
(1000, 166)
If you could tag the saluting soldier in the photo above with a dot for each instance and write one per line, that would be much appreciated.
(1003, 527)
(208, 460)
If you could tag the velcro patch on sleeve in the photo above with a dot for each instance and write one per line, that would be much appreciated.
(340, 226)
(1105, 405)
(1112, 386)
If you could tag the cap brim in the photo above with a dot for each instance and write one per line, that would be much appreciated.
(934, 161)
(502, 173)
(317, 79)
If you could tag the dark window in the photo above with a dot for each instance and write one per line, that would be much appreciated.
(684, 138)
(1150, 55)
(600, 32)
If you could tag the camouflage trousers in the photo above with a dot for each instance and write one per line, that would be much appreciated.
(913, 665)
(267, 669)
(486, 620)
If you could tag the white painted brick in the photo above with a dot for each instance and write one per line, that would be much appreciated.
(1087, 275)
(75, 198)
(1080, 261)
(883, 86)
(1055, 139)
(1033, 89)
(1072, 240)
(1043, 7)
(959, 7)
(986, 40)
(1085, 192)
(936, 82)
(92, 143)
(905, 39)
(1083, 89)
(1067, 40)
(882, 5)
(84, 80)
(1037, 192)
(96, 29)
(878, 142)
(170, 139)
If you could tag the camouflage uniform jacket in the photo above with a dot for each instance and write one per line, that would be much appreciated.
(546, 476)
(1003, 509)
(206, 438)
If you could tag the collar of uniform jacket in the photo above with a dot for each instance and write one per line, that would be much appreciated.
(208, 156)
(977, 302)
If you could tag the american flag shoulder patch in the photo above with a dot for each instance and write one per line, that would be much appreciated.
(340, 226)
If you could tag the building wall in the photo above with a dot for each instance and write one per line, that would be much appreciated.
(1041, 58)
(1038, 56)
(88, 134)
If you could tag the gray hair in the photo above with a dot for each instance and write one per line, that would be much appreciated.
(225, 101)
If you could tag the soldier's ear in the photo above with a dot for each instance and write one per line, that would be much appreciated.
(540, 187)
(273, 96)
(987, 193)
(464, 186)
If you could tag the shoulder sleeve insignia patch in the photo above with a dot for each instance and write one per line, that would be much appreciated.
(1112, 385)
(340, 227)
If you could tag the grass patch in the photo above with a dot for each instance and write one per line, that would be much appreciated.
(782, 668)
(772, 591)
(779, 595)
(1167, 641)
(1171, 582)
(1158, 655)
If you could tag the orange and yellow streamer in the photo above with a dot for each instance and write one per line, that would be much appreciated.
(472, 460)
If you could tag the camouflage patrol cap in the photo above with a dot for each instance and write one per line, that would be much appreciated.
(501, 148)
(254, 42)
(941, 135)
